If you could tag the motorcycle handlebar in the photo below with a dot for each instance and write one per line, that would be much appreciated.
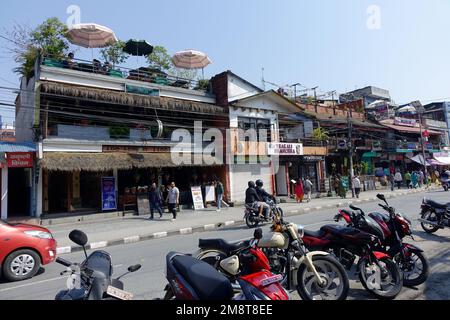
(63, 262)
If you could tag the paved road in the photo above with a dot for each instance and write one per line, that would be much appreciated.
(149, 282)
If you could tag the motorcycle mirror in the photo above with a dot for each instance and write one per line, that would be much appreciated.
(78, 237)
(381, 197)
(258, 234)
(134, 268)
(353, 207)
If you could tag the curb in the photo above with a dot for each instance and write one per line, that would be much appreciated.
(216, 226)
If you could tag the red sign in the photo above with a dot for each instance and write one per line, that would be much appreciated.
(20, 159)
(426, 134)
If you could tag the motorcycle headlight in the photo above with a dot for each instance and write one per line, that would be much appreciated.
(39, 234)
(300, 231)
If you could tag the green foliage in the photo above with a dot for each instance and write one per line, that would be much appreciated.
(114, 53)
(119, 132)
(203, 84)
(159, 58)
(364, 167)
(48, 38)
(320, 134)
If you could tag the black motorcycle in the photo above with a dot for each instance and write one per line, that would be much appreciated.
(92, 279)
(253, 218)
(434, 216)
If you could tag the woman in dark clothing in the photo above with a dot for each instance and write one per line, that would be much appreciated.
(155, 198)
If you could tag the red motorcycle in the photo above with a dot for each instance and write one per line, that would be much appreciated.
(378, 273)
(391, 228)
(243, 275)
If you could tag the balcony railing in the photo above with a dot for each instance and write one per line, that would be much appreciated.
(144, 74)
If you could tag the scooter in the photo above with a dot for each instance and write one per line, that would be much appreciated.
(92, 279)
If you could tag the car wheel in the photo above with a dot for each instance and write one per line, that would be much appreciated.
(21, 264)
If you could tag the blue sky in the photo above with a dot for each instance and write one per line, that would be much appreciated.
(324, 43)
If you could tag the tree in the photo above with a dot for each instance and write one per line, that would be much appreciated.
(320, 134)
(159, 58)
(114, 53)
(49, 38)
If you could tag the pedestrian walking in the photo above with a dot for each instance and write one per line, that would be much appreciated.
(219, 192)
(398, 179)
(342, 191)
(307, 187)
(421, 178)
(299, 193)
(392, 181)
(156, 200)
(173, 200)
(408, 180)
(414, 180)
(357, 185)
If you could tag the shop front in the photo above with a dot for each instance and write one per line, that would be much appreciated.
(75, 182)
(17, 182)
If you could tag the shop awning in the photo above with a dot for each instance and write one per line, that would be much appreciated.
(61, 161)
(17, 147)
(445, 161)
(419, 159)
(410, 129)
(434, 162)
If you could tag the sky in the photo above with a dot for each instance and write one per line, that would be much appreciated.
(341, 45)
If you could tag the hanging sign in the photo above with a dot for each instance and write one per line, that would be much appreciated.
(109, 201)
(20, 159)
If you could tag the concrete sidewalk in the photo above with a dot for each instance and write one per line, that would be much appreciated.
(123, 230)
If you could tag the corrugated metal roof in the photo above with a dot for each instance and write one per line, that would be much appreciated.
(17, 147)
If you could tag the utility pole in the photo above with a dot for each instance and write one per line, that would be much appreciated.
(350, 145)
(419, 108)
(315, 99)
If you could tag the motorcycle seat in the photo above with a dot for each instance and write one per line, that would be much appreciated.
(222, 245)
(314, 234)
(437, 205)
(208, 283)
(348, 233)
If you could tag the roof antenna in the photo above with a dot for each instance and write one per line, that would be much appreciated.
(262, 78)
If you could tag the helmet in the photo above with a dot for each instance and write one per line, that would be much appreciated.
(251, 184)
(259, 183)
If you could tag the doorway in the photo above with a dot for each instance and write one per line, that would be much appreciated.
(19, 192)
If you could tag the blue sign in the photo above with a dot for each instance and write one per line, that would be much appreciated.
(109, 201)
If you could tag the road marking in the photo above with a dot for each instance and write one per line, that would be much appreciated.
(158, 235)
(62, 250)
(100, 244)
(131, 239)
(229, 223)
(30, 284)
(186, 231)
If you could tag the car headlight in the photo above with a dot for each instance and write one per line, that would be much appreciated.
(39, 234)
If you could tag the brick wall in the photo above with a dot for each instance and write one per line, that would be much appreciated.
(219, 85)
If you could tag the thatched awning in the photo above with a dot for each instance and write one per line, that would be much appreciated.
(61, 161)
(129, 99)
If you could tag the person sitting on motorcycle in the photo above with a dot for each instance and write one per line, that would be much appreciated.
(252, 197)
(265, 197)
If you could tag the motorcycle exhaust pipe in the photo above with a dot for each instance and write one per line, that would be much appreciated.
(430, 222)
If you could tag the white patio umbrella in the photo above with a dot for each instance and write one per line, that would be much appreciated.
(91, 35)
(191, 59)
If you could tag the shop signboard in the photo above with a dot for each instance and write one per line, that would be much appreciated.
(399, 121)
(210, 194)
(20, 159)
(197, 198)
(285, 149)
(109, 201)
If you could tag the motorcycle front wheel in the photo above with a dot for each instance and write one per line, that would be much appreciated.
(335, 286)
(432, 217)
(415, 268)
(384, 283)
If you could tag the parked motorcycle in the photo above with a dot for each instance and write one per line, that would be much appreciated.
(253, 218)
(92, 279)
(434, 215)
(377, 271)
(315, 275)
(193, 279)
(393, 227)
(445, 180)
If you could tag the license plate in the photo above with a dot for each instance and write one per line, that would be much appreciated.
(119, 294)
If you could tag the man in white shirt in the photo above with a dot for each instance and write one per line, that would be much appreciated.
(173, 199)
(357, 186)
(307, 187)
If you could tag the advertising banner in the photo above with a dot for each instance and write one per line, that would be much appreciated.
(197, 198)
(109, 201)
